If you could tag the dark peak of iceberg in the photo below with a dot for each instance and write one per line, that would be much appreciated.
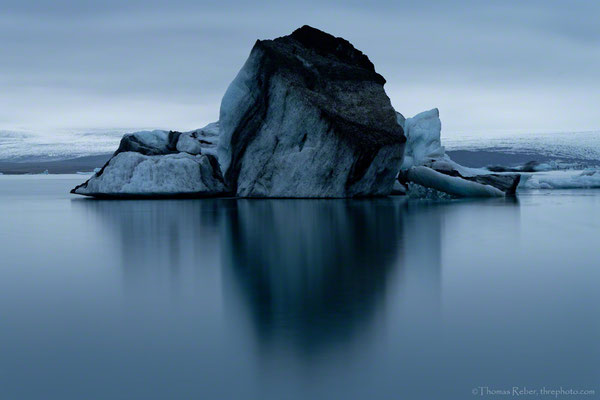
(336, 78)
(313, 51)
(325, 44)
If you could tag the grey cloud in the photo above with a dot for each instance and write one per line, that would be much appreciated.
(493, 57)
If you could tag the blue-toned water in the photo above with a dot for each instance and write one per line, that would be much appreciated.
(295, 299)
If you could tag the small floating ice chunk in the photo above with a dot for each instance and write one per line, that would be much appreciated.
(570, 179)
(452, 185)
(422, 138)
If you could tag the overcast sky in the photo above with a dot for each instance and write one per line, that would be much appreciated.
(488, 66)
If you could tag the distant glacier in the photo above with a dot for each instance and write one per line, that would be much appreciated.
(36, 147)
(577, 147)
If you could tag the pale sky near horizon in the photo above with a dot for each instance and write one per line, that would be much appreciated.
(489, 66)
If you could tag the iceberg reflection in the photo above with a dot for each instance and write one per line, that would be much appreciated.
(311, 271)
(305, 273)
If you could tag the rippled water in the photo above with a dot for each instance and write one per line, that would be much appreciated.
(294, 299)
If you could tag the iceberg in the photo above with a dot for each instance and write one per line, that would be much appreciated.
(160, 164)
(131, 174)
(307, 116)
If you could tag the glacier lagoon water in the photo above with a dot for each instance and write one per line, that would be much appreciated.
(295, 299)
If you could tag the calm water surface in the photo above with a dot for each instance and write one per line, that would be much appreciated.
(294, 299)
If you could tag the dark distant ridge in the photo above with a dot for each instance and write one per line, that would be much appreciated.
(71, 166)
